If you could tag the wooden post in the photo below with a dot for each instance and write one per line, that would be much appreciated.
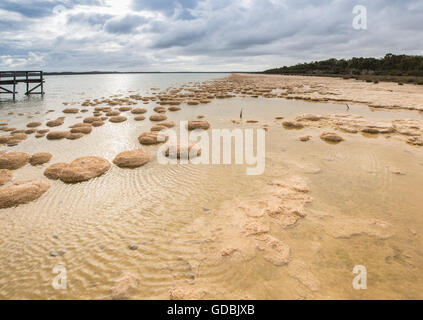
(14, 86)
(42, 83)
(27, 83)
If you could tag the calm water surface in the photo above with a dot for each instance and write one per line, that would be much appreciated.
(175, 214)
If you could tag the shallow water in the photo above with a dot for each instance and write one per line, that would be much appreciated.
(182, 216)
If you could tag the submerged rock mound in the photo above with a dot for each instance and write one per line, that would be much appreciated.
(84, 128)
(148, 138)
(304, 138)
(167, 124)
(117, 119)
(160, 109)
(132, 159)
(138, 111)
(13, 139)
(34, 124)
(55, 123)
(292, 125)
(198, 124)
(112, 113)
(40, 158)
(53, 171)
(97, 123)
(91, 119)
(309, 117)
(157, 127)
(75, 136)
(57, 135)
(183, 151)
(139, 118)
(14, 160)
(5, 176)
(124, 287)
(275, 251)
(331, 137)
(158, 117)
(71, 110)
(84, 169)
(187, 293)
(22, 192)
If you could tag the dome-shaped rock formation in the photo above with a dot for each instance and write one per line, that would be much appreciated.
(40, 158)
(132, 159)
(148, 138)
(158, 117)
(198, 124)
(331, 137)
(14, 160)
(84, 169)
(22, 192)
(183, 151)
(53, 171)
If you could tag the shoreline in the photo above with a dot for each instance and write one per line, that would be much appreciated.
(386, 95)
(138, 72)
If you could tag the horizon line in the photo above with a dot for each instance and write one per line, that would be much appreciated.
(136, 72)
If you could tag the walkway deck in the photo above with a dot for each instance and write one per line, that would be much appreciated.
(13, 78)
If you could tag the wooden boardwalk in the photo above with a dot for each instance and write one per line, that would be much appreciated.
(11, 79)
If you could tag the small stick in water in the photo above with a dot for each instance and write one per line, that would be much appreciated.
(240, 114)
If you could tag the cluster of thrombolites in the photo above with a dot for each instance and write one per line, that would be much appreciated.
(117, 109)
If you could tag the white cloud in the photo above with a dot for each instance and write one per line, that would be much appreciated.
(30, 60)
(171, 35)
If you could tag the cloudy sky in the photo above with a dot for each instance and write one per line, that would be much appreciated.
(199, 35)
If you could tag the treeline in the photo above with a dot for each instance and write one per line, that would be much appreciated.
(390, 65)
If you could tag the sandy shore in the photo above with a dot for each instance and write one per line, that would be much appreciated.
(341, 188)
(326, 89)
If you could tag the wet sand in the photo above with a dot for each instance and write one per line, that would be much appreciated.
(327, 89)
(203, 231)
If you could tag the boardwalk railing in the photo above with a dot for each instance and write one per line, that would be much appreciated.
(12, 78)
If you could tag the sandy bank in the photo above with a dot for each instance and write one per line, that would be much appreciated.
(325, 89)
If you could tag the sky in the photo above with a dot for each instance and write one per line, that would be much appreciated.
(200, 35)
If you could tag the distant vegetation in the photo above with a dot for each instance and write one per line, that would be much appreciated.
(399, 68)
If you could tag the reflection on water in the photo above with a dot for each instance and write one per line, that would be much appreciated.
(180, 217)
